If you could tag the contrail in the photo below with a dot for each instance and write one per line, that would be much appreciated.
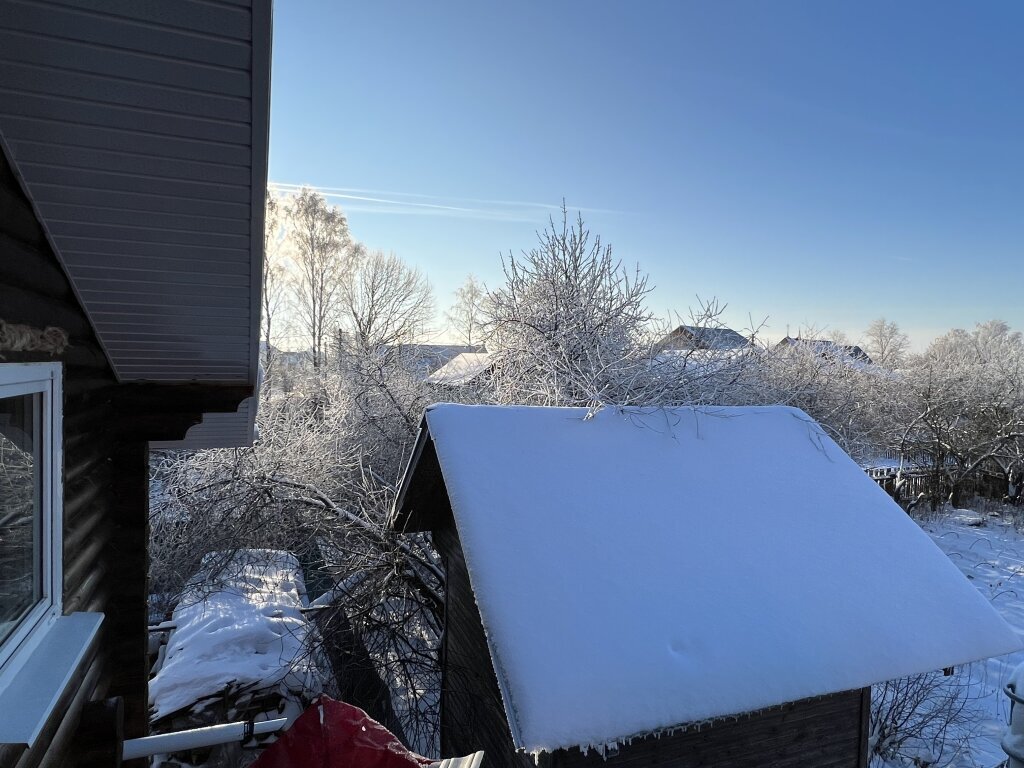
(399, 203)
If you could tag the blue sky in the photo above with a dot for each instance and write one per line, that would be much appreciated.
(805, 162)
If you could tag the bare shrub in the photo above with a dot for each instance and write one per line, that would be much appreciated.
(923, 720)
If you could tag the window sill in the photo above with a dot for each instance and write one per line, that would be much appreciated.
(42, 676)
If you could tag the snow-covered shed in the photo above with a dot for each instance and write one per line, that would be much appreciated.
(726, 578)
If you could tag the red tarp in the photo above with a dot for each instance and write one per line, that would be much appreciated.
(333, 734)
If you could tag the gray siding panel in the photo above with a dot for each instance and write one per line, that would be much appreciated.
(32, 48)
(189, 15)
(124, 92)
(132, 124)
(48, 153)
(66, 132)
(152, 250)
(133, 203)
(125, 33)
(153, 220)
(69, 230)
(83, 111)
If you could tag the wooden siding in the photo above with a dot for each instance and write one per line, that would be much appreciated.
(812, 733)
(106, 429)
(472, 712)
(140, 129)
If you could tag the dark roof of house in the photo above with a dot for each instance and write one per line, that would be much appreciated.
(827, 348)
(430, 357)
(703, 337)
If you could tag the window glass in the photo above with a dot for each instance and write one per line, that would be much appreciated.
(21, 562)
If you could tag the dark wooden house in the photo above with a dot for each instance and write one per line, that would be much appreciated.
(829, 350)
(637, 587)
(702, 337)
(133, 148)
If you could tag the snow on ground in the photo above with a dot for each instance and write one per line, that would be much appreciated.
(991, 555)
(247, 634)
(633, 522)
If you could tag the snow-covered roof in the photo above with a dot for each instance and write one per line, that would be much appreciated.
(248, 633)
(641, 569)
(462, 369)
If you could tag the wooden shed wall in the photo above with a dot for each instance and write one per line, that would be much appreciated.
(827, 732)
(472, 712)
(105, 482)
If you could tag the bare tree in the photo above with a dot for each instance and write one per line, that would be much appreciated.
(383, 302)
(385, 306)
(925, 720)
(322, 245)
(570, 323)
(275, 279)
(310, 486)
(466, 316)
(886, 344)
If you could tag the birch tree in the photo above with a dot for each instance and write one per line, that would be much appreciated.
(466, 315)
(886, 344)
(323, 247)
(275, 280)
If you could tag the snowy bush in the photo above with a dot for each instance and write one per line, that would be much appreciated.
(922, 720)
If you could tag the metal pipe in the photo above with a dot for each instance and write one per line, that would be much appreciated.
(1013, 739)
(198, 737)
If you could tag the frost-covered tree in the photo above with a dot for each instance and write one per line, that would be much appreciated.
(322, 248)
(385, 306)
(963, 405)
(311, 486)
(569, 325)
(274, 298)
(886, 344)
(319, 483)
(383, 302)
(466, 315)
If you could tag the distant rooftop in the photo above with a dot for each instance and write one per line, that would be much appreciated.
(701, 337)
(827, 348)
(461, 370)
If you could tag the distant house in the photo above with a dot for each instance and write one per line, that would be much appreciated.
(427, 358)
(133, 161)
(634, 573)
(700, 337)
(830, 350)
(467, 368)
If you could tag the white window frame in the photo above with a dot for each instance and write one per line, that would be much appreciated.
(43, 379)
